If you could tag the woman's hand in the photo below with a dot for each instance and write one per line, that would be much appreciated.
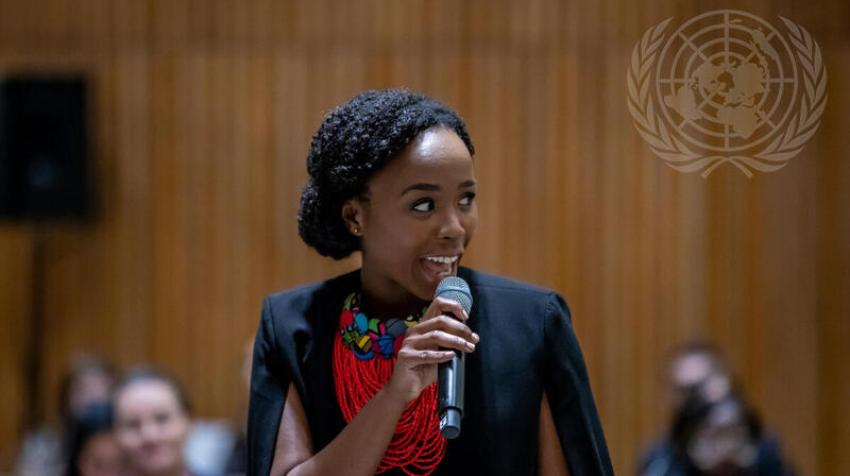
(427, 344)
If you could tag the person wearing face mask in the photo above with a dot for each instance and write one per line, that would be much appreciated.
(151, 415)
(344, 371)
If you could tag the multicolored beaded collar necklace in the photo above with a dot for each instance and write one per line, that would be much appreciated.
(363, 358)
(372, 337)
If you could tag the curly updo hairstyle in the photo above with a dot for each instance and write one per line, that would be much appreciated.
(354, 142)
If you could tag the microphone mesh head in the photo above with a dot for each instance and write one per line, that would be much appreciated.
(455, 289)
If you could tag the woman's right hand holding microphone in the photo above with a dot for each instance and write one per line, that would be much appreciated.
(428, 343)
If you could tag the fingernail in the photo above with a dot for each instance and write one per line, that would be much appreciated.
(470, 346)
(475, 337)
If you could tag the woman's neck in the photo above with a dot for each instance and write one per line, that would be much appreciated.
(382, 299)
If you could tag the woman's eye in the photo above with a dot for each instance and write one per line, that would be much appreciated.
(467, 199)
(424, 205)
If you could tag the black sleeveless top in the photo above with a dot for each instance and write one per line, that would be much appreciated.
(527, 347)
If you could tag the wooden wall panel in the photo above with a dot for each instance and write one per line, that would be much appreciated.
(15, 284)
(202, 115)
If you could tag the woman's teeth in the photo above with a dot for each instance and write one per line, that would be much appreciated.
(442, 259)
(439, 266)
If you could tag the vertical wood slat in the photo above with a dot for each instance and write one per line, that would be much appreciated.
(15, 297)
(203, 118)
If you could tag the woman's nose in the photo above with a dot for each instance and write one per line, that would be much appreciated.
(451, 226)
(149, 431)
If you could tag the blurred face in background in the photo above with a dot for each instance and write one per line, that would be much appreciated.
(101, 456)
(722, 445)
(90, 387)
(698, 372)
(89, 381)
(151, 427)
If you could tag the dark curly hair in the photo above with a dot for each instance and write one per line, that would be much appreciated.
(355, 141)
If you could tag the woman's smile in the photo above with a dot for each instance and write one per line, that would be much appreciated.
(439, 266)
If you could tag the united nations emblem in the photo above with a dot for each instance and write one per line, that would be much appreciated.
(726, 86)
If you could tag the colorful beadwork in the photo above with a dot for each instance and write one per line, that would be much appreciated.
(417, 447)
(369, 337)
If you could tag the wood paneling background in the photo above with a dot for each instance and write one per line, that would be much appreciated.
(202, 114)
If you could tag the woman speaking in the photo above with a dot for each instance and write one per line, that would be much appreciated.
(344, 371)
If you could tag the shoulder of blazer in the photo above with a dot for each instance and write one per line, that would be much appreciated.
(292, 305)
(484, 283)
(291, 308)
(307, 290)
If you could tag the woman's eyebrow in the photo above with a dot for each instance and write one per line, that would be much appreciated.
(427, 187)
(430, 187)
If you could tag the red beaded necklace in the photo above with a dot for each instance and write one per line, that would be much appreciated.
(363, 359)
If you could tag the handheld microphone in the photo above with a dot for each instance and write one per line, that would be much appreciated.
(450, 375)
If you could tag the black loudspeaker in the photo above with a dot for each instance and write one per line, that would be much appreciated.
(44, 172)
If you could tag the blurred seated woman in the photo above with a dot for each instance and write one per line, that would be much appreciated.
(151, 423)
(92, 449)
(44, 450)
(717, 438)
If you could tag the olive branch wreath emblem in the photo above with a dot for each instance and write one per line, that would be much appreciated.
(682, 158)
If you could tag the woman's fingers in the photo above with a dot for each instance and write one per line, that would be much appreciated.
(445, 306)
(435, 339)
(444, 323)
(424, 356)
(440, 338)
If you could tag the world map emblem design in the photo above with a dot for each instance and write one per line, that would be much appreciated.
(726, 87)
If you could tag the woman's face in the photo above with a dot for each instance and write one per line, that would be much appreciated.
(722, 443)
(151, 426)
(101, 456)
(418, 219)
(698, 372)
(92, 386)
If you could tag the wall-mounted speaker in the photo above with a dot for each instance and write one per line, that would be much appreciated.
(44, 170)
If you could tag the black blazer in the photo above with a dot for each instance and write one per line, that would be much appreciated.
(527, 347)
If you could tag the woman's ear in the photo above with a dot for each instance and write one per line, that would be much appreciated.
(352, 216)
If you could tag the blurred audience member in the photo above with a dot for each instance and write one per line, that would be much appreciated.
(713, 432)
(92, 449)
(209, 448)
(152, 423)
(90, 381)
(698, 368)
(44, 450)
(41, 454)
(716, 438)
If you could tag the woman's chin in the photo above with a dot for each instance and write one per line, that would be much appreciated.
(160, 463)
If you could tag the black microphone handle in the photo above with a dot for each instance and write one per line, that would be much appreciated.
(450, 375)
(450, 391)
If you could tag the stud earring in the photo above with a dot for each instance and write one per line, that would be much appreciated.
(356, 230)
